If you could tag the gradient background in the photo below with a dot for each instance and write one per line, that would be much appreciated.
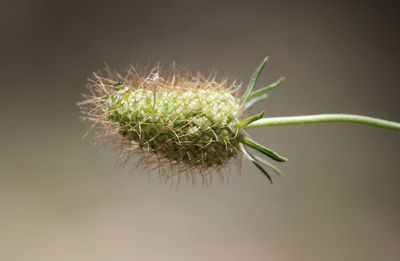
(61, 198)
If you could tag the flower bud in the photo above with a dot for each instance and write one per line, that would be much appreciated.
(175, 120)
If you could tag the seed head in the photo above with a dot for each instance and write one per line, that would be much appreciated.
(180, 122)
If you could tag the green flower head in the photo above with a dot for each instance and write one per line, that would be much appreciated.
(180, 122)
(190, 126)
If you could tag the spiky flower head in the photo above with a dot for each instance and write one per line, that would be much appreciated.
(180, 122)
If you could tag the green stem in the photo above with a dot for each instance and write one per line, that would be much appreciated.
(321, 118)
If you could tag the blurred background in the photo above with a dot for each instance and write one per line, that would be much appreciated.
(62, 198)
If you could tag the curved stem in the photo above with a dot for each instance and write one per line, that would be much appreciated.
(321, 118)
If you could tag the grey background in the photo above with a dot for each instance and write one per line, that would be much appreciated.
(61, 198)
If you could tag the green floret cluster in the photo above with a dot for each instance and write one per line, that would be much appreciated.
(195, 127)
(178, 121)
